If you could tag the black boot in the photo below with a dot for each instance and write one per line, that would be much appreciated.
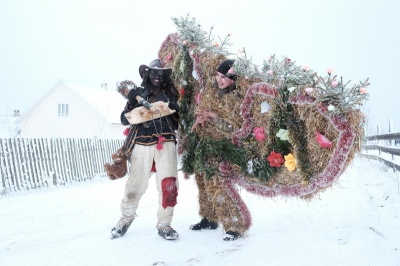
(120, 229)
(204, 224)
(231, 235)
(168, 233)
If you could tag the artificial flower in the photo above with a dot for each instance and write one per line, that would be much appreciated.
(270, 72)
(259, 133)
(309, 90)
(275, 159)
(282, 134)
(330, 70)
(265, 107)
(291, 89)
(184, 42)
(322, 140)
(331, 107)
(168, 58)
(334, 83)
(305, 68)
(363, 90)
(290, 162)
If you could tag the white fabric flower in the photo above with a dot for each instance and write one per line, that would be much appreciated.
(282, 134)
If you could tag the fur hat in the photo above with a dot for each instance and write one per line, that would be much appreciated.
(226, 68)
(154, 65)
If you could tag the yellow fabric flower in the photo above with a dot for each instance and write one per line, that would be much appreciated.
(290, 162)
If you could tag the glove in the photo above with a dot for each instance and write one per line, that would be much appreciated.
(132, 96)
(173, 106)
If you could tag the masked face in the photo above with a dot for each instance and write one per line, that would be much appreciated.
(155, 77)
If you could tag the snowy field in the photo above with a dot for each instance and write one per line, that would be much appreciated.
(356, 222)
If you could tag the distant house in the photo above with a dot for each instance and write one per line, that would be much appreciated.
(8, 127)
(70, 110)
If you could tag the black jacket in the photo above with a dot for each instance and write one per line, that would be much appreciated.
(148, 132)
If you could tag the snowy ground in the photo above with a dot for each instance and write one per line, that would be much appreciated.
(357, 222)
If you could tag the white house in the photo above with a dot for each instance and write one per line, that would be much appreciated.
(70, 110)
(8, 127)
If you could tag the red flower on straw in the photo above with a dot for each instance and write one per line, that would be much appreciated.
(275, 159)
(182, 92)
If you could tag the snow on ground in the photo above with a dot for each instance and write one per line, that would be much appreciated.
(356, 222)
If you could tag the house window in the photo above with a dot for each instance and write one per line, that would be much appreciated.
(62, 109)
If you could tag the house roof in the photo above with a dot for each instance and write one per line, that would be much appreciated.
(107, 103)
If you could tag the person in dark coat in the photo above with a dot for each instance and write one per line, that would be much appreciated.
(151, 145)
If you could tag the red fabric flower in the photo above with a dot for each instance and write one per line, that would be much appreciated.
(126, 131)
(259, 133)
(182, 92)
(275, 159)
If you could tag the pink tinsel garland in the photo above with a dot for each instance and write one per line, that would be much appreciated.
(330, 173)
(258, 88)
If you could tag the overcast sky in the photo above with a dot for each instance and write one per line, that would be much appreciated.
(94, 41)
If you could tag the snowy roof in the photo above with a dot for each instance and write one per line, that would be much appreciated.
(107, 102)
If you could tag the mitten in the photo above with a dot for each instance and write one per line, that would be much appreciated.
(173, 106)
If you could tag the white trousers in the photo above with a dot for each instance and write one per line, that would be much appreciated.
(139, 174)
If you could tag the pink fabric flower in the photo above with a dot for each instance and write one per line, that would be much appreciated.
(305, 68)
(168, 58)
(259, 133)
(323, 141)
(334, 83)
(330, 70)
(270, 72)
(363, 90)
(309, 90)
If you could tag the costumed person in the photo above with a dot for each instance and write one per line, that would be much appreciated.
(273, 130)
(151, 144)
(219, 115)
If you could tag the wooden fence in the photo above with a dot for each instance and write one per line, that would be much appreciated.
(383, 148)
(40, 163)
